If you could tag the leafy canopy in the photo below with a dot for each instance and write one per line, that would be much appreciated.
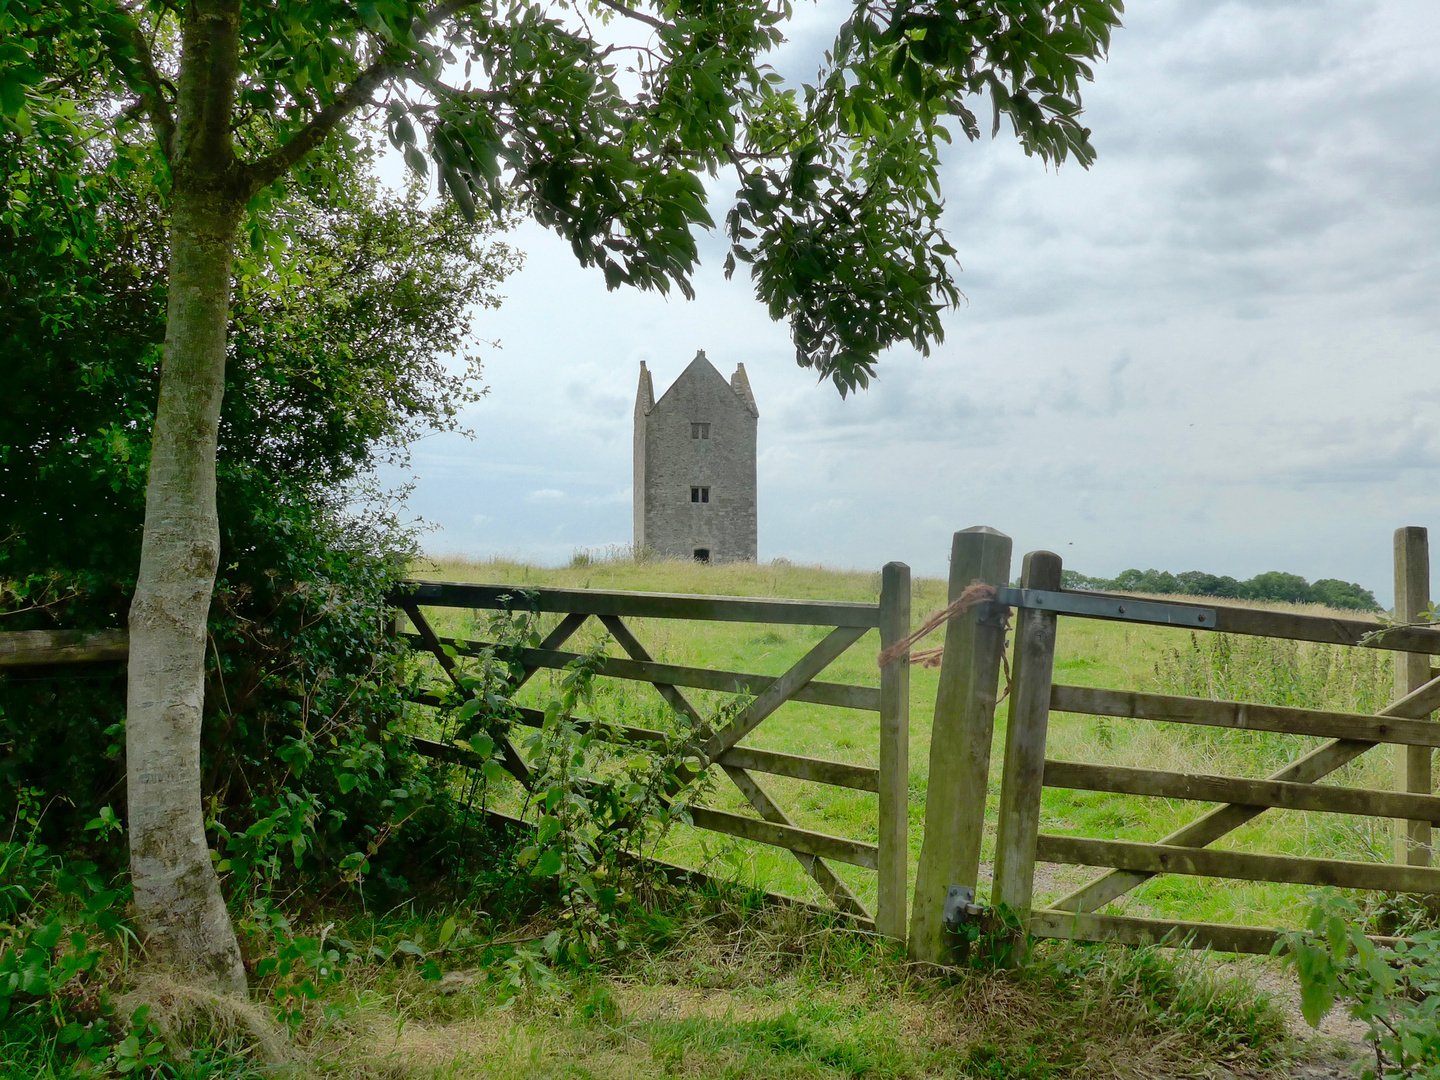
(605, 118)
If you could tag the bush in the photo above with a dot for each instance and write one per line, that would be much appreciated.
(337, 359)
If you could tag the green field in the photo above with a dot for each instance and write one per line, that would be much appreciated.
(1089, 653)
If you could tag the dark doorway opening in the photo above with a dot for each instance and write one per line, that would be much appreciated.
(702, 555)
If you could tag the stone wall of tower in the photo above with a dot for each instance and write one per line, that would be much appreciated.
(670, 461)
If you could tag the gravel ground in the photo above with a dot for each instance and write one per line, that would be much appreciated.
(1338, 1046)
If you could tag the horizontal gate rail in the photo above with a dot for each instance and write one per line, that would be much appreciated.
(638, 604)
(1238, 714)
(840, 695)
(1256, 622)
(1090, 605)
(690, 878)
(795, 766)
(1206, 862)
(1286, 795)
(1131, 930)
(799, 767)
(790, 837)
(773, 834)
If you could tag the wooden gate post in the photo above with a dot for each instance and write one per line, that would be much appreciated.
(894, 865)
(1022, 780)
(1412, 670)
(960, 741)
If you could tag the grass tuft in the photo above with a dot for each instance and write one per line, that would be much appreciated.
(189, 1017)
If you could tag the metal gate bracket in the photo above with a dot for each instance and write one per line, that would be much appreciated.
(960, 906)
(1095, 606)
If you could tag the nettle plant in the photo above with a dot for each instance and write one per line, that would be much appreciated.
(599, 797)
(1394, 989)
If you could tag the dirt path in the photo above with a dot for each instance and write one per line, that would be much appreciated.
(1339, 1045)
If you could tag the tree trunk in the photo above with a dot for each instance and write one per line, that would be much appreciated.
(177, 893)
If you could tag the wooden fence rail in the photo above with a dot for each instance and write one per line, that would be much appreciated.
(44, 648)
(772, 826)
(729, 682)
(644, 605)
(1245, 716)
(1283, 794)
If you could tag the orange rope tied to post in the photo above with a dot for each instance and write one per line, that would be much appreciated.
(976, 593)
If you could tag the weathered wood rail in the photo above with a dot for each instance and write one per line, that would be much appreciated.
(849, 622)
(46, 648)
(972, 666)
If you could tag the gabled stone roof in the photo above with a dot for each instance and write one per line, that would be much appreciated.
(698, 368)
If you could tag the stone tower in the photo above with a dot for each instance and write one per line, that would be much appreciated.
(695, 466)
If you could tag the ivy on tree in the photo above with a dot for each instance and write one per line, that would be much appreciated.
(601, 117)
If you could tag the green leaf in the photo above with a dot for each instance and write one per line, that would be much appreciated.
(447, 930)
(549, 828)
(12, 94)
(482, 744)
(493, 771)
(548, 864)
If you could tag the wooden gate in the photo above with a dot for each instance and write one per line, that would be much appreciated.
(850, 622)
(964, 727)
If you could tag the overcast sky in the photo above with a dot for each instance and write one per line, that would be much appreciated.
(1216, 349)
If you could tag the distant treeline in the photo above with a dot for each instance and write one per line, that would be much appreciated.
(1272, 585)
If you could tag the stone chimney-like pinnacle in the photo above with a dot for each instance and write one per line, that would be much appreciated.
(645, 393)
(740, 383)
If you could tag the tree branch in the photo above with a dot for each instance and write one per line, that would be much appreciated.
(440, 87)
(149, 84)
(277, 164)
(638, 16)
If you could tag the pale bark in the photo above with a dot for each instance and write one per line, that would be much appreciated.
(177, 893)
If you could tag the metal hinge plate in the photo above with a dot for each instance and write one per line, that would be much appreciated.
(1107, 607)
(960, 906)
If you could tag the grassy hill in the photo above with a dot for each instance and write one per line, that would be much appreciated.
(1089, 653)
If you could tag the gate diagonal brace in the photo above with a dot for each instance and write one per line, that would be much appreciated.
(777, 693)
(754, 792)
